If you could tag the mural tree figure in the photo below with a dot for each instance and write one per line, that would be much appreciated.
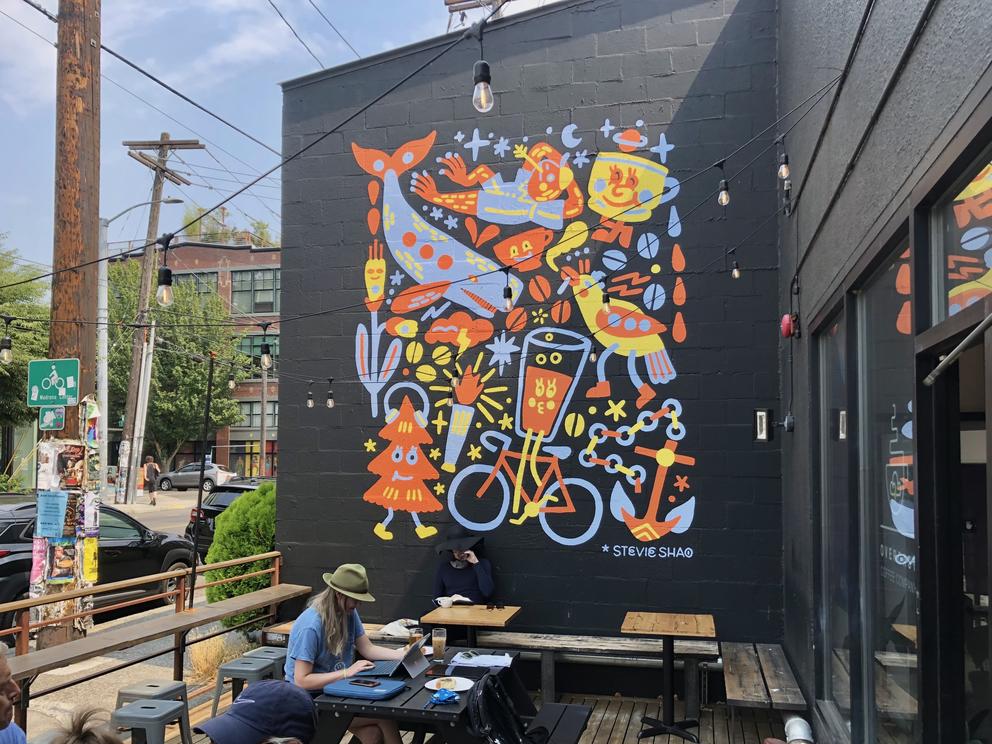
(402, 468)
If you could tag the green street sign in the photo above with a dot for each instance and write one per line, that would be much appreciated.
(51, 418)
(53, 382)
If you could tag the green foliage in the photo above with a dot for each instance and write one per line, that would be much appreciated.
(179, 374)
(30, 340)
(12, 484)
(247, 527)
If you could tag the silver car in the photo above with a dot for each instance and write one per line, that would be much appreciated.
(188, 476)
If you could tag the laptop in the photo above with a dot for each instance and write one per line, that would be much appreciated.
(413, 662)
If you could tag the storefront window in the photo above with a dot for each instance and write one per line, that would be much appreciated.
(838, 600)
(890, 578)
(962, 238)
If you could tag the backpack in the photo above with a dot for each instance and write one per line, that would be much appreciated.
(493, 717)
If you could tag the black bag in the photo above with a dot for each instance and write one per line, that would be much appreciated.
(493, 717)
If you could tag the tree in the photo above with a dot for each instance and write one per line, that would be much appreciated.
(179, 375)
(208, 227)
(30, 339)
(261, 234)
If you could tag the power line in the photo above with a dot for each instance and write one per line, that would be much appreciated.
(335, 28)
(298, 37)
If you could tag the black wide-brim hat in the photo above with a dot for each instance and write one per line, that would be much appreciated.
(458, 538)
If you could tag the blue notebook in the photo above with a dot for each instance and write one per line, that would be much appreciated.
(357, 689)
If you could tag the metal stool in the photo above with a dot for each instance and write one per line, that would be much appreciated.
(274, 653)
(147, 720)
(245, 669)
(153, 690)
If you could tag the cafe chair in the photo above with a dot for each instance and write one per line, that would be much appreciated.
(240, 671)
(147, 720)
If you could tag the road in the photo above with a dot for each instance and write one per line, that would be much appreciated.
(170, 514)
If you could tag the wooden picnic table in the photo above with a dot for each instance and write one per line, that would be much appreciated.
(472, 617)
(669, 626)
(906, 631)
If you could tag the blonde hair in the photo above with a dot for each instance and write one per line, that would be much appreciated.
(329, 605)
(87, 726)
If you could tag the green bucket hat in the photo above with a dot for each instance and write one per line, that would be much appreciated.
(350, 580)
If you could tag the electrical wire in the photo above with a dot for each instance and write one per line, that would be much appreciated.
(335, 28)
(298, 37)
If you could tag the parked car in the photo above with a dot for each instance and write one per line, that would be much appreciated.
(188, 476)
(213, 505)
(127, 550)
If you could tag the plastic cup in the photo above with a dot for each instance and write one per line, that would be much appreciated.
(439, 641)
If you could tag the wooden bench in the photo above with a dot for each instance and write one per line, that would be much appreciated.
(26, 667)
(278, 635)
(891, 698)
(565, 722)
(608, 650)
(758, 675)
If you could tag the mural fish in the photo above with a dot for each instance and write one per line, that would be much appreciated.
(433, 258)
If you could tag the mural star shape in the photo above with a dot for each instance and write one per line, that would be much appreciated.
(435, 453)
(681, 482)
(440, 422)
(438, 488)
(616, 410)
(370, 445)
(474, 452)
(506, 422)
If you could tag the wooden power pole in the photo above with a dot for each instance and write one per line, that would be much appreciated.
(77, 216)
(130, 460)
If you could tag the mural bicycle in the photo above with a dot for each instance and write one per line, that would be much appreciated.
(528, 302)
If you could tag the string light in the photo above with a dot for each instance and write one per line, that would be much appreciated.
(482, 94)
(6, 343)
(592, 355)
(310, 403)
(164, 295)
(723, 198)
(783, 166)
(231, 382)
(330, 392)
(507, 292)
(735, 272)
(266, 360)
(606, 298)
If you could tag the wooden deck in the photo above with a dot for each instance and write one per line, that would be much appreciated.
(617, 720)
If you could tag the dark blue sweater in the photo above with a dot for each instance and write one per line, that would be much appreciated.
(474, 581)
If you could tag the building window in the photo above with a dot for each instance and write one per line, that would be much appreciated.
(889, 572)
(252, 346)
(255, 291)
(245, 459)
(962, 242)
(251, 414)
(838, 601)
(205, 282)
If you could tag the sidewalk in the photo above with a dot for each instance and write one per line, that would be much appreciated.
(164, 500)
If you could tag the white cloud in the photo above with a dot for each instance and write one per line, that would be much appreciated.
(27, 64)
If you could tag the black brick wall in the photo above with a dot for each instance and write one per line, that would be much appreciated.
(702, 73)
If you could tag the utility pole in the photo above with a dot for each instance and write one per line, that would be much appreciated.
(129, 456)
(77, 210)
(265, 415)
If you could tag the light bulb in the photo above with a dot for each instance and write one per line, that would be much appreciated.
(6, 350)
(266, 360)
(592, 355)
(231, 382)
(724, 198)
(507, 298)
(330, 392)
(454, 380)
(482, 95)
(735, 272)
(164, 295)
(783, 167)
(606, 298)
(310, 400)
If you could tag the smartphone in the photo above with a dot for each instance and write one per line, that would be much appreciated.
(365, 682)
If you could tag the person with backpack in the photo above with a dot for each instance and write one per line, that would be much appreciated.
(323, 642)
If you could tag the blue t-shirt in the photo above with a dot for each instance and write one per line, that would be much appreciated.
(12, 735)
(306, 643)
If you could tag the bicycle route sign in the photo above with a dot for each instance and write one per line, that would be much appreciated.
(51, 418)
(53, 382)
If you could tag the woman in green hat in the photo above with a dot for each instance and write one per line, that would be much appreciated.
(322, 645)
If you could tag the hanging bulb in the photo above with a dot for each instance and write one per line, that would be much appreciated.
(231, 382)
(606, 298)
(330, 392)
(164, 295)
(735, 272)
(783, 166)
(6, 350)
(507, 298)
(266, 361)
(482, 95)
(310, 399)
(724, 198)
(592, 355)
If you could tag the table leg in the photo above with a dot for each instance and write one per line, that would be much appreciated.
(668, 724)
(331, 726)
(472, 637)
(691, 673)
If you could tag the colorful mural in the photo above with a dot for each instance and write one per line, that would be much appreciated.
(529, 307)
(967, 239)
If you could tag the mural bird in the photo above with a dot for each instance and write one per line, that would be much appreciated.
(442, 266)
(622, 328)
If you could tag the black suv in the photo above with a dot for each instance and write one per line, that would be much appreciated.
(213, 504)
(128, 550)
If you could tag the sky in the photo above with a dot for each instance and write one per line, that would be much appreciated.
(229, 55)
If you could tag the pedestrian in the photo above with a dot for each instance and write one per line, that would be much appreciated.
(463, 569)
(266, 712)
(323, 641)
(86, 726)
(152, 471)
(10, 693)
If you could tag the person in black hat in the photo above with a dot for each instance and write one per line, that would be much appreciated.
(266, 710)
(462, 569)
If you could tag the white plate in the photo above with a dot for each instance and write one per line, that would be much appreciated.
(461, 684)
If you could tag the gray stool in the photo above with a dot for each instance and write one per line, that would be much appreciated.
(153, 690)
(274, 653)
(245, 669)
(147, 720)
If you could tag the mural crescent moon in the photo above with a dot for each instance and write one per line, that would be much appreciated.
(568, 137)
